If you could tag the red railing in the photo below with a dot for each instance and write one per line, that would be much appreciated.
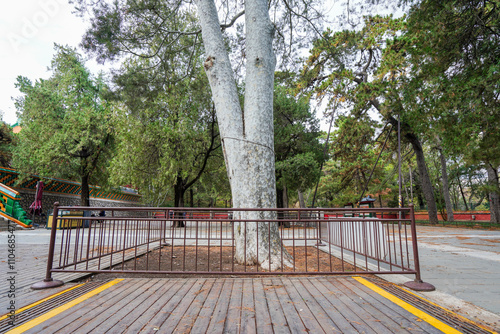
(201, 241)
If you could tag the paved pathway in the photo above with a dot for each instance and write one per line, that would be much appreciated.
(464, 263)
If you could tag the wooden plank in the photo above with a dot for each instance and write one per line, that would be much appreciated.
(232, 323)
(402, 317)
(183, 307)
(341, 305)
(124, 315)
(146, 308)
(257, 305)
(189, 317)
(220, 312)
(306, 314)
(377, 309)
(86, 309)
(92, 319)
(248, 324)
(203, 320)
(162, 298)
(280, 325)
(262, 316)
(379, 323)
(31, 267)
(329, 310)
(292, 315)
(164, 313)
(315, 307)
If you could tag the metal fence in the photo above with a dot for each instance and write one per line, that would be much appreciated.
(202, 241)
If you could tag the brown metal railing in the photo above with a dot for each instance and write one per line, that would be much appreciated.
(201, 241)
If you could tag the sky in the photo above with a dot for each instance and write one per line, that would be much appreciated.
(28, 30)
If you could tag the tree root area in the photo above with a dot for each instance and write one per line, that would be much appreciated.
(216, 261)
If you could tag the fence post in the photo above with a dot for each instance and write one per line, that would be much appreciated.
(319, 221)
(416, 284)
(49, 282)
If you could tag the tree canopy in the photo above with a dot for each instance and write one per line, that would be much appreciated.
(298, 151)
(65, 122)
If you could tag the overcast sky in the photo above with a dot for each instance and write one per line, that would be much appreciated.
(28, 30)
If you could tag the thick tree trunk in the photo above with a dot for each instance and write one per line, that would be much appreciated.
(446, 186)
(247, 135)
(179, 190)
(85, 195)
(462, 193)
(494, 194)
(302, 203)
(285, 196)
(279, 198)
(425, 180)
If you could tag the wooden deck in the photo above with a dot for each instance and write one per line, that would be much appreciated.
(31, 267)
(236, 305)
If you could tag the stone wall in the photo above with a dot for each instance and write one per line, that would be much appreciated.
(67, 193)
(48, 200)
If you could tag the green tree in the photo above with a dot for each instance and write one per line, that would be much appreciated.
(246, 132)
(454, 48)
(167, 133)
(7, 141)
(65, 124)
(298, 152)
(365, 70)
(353, 153)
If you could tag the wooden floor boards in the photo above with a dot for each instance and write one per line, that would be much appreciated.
(236, 305)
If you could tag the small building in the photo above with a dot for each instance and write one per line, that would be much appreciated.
(367, 203)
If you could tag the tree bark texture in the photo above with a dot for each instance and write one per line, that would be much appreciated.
(422, 170)
(85, 195)
(446, 187)
(494, 195)
(179, 191)
(302, 203)
(424, 178)
(247, 135)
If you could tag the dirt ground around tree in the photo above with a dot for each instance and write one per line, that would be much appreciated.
(201, 261)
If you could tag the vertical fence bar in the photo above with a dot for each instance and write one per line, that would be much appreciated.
(293, 238)
(341, 245)
(221, 268)
(196, 246)
(49, 282)
(417, 284)
(305, 240)
(209, 237)
(66, 228)
(400, 238)
(232, 242)
(406, 244)
(269, 233)
(88, 245)
(415, 246)
(365, 241)
(356, 235)
(124, 242)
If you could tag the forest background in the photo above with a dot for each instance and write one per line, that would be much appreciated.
(150, 122)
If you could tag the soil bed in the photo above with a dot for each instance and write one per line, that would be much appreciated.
(202, 260)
